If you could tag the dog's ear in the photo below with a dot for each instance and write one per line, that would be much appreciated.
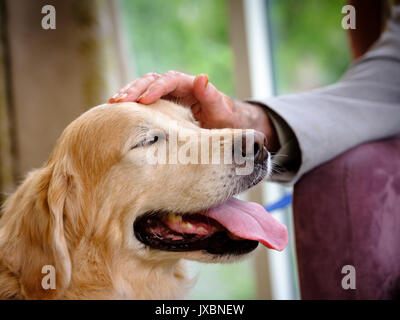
(32, 241)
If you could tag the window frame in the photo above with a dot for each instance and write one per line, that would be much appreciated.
(254, 78)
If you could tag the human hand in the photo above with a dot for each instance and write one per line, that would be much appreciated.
(212, 108)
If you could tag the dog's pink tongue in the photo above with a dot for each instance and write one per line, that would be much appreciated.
(249, 220)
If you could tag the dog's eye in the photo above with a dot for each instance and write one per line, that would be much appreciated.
(148, 141)
(152, 140)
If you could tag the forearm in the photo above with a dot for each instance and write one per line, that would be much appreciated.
(253, 116)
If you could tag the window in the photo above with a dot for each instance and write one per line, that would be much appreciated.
(189, 36)
(309, 46)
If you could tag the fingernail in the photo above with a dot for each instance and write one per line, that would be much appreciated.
(206, 80)
(120, 96)
(112, 99)
(206, 83)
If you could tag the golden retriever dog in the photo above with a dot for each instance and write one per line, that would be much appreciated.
(111, 224)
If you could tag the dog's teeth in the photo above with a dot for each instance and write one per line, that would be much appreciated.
(174, 218)
(187, 225)
(201, 229)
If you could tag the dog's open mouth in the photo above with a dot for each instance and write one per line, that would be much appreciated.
(233, 227)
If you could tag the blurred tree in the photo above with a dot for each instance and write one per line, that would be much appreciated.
(186, 35)
(310, 46)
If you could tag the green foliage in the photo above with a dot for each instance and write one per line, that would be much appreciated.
(185, 35)
(310, 46)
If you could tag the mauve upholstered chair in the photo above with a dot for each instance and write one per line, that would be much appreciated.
(347, 212)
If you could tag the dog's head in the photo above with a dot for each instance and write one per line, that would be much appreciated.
(145, 181)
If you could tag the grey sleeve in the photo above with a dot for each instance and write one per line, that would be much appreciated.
(314, 127)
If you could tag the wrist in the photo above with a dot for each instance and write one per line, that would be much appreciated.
(254, 116)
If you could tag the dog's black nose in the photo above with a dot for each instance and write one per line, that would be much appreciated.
(258, 150)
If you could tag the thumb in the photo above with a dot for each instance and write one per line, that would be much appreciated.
(207, 95)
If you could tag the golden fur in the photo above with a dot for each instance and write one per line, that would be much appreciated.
(76, 212)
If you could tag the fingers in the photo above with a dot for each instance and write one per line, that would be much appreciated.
(206, 93)
(133, 90)
(172, 83)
